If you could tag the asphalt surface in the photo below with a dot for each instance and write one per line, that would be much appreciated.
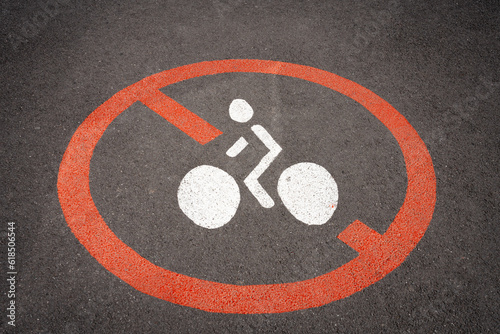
(437, 64)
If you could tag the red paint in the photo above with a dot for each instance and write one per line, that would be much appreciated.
(378, 254)
(195, 127)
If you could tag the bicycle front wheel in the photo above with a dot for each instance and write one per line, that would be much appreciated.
(208, 196)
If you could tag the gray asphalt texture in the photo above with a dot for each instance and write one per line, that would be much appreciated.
(436, 63)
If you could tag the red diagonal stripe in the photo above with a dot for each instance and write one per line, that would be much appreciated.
(359, 236)
(188, 122)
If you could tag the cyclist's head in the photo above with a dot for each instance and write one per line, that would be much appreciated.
(240, 111)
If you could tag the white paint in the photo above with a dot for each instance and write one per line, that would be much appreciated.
(251, 181)
(240, 111)
(208, 196)
(237, 147)
(309, 192)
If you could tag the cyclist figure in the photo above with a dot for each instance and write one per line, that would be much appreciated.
(240, 111)
(210, 197)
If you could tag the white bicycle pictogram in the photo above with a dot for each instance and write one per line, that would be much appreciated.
(210, 197)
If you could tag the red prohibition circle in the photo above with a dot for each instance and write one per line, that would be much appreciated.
(379, 254)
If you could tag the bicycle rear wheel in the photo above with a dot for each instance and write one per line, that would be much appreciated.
(309, 192)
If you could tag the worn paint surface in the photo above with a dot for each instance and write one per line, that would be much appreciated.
(378, 254)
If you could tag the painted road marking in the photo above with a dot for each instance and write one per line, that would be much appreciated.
(379, 254)
(240, 111)
(208, 196)
(188, 122)
(309, 192)
(237, 147)
(251, 181)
